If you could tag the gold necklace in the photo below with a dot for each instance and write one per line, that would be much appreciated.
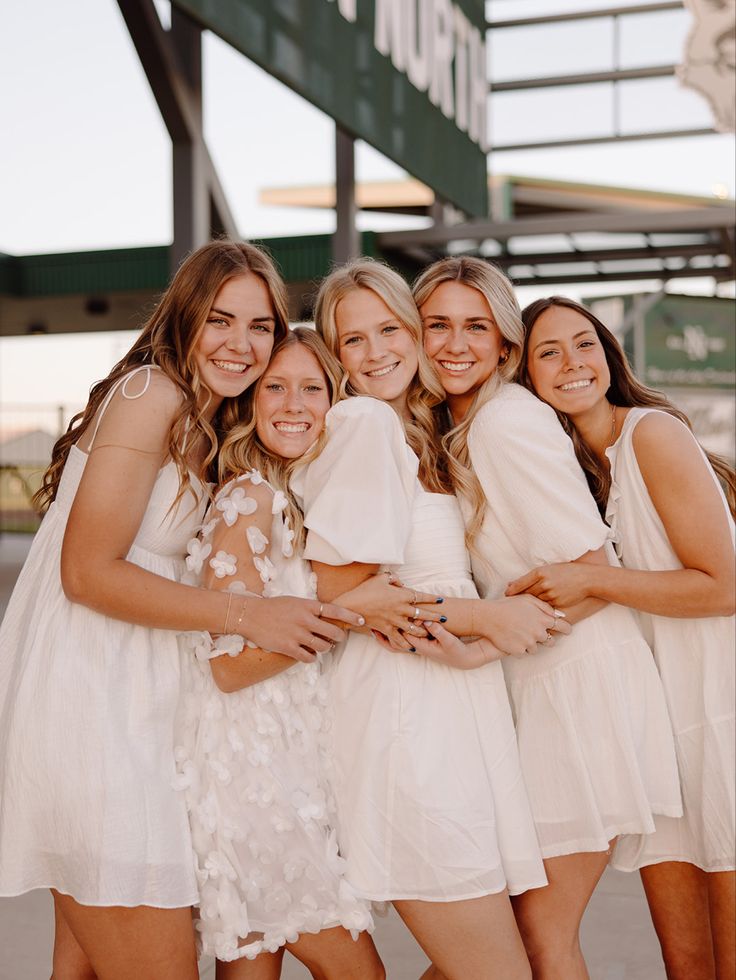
(612, 438)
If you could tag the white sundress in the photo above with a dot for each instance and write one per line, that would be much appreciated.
(87, 803)
(431, 801)
(696, 660)
(252, 763)
(594, 735)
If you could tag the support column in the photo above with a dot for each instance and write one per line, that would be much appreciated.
(190, 185)
(346, 240)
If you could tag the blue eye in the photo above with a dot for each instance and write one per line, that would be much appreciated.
(477, 326)
(437, 325)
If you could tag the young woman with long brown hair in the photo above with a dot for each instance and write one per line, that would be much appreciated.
(675, 539)
(89, 661)
(594, 737)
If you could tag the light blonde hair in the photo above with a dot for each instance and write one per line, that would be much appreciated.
(169, 340)
(499, 293)
(425, 392)
(242, 449)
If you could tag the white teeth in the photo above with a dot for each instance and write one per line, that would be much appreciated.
(456, 367)
(291, 426)
(381, 372)
(234, 367)
(574, 385)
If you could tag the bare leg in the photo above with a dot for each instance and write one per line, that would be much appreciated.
(70, 961)
(476, 938)
(128, 944)
(722, 904)
(266, 966)
(328, 955)
(677, 893)
(549, 918)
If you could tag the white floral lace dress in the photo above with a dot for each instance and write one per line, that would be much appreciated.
(252, 763)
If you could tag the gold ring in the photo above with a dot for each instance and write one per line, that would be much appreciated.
(416, 612)
(321, 607)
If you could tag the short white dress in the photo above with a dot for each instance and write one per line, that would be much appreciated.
(431, 801)
(252, 763)
(594, 735)
(87, 802)
(696, 660)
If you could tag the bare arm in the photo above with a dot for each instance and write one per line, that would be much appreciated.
(688, 503)
(108, 509)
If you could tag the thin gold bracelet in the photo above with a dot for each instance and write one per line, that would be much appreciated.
(227, 614)
(240, 617)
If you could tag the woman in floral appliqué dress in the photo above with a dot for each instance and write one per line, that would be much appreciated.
(253, 724)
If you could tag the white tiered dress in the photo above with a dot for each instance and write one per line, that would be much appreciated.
(594, 735)
(87, 802)
(252, 763)
(696, 660)
(431, 802)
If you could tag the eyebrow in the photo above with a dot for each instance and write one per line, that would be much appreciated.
(255, 319)
(281, 377)
(574, 337)
(468, 319)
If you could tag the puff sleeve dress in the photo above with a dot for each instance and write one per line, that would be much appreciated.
(594, 735)
(695, 658)
(252, 763)
(431, 802)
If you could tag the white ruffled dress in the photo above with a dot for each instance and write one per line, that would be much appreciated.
(594, 735)
(695, 658)
(252, 764)
(87, 803)
(431, 801)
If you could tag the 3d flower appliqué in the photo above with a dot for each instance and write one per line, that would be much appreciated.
(197, 552)
(223, 564)
(235, 504)
(257, 540)
(279, 502)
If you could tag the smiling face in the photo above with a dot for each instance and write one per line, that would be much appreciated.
(292, 400)
(462, 340)
(378, 352)
(566, 361)
(236, 342)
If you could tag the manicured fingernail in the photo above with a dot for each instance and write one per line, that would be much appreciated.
(560, 614)
(443, 619)
(361, 621)
(438, 601)
(412, 649)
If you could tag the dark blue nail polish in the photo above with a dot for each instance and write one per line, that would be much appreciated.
(443, 619)
(438, 601)
(412, 649)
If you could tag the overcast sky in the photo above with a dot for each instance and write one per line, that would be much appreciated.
(86, 158)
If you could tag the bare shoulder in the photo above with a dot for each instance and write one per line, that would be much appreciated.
(659, 439)
(141, 412)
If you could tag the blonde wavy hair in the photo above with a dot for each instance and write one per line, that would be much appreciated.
(169, 340)
(425, 393)
(242, 449)
(499, 293)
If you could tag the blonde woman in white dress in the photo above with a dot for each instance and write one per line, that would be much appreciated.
(594, 736)
(675, 537)
(251, 743)
(432, 810)
(89, 661)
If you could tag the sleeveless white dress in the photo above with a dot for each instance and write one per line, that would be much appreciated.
(695, 658)
(594, 735)
(431, 802)
(87, 802)
(252, 763)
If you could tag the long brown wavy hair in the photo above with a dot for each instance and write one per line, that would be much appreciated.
(425, 391)
(625, 390)
(242, 449)
(491, 283)
(168, 341)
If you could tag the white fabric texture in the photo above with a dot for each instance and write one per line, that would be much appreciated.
(87, 804)
(695, 658)
(431, 802)
(593, 730)
(253, 764)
